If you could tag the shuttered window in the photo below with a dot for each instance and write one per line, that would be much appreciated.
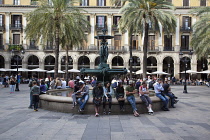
(151, 42)
(116, 20)
(84, 3)
(202, 2)
(167, 42)
(100, 21)
(135, 42)
(117, 42)
(1, 20)
(16, 38)
(16, 2)
(185, 2)
(1, 1)
(186, 22)
(1, 40)
(185, 42)
(101, 2)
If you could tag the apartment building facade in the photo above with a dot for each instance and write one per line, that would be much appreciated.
(163, 51)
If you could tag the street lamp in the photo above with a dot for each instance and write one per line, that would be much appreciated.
(131, 68)
(185, 61)
(17, 58)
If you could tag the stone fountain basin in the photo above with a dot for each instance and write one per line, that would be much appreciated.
(60, 100)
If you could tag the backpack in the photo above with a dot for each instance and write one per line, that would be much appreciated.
(31, 81)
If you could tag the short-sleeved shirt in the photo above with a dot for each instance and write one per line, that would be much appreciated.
(130, 89)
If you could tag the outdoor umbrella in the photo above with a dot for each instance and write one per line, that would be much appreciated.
(141, 72)
(74, 70)
(20, 69)
(38, 70)
(206, 71)
(53, 71)
(160, 73)
(190, 71)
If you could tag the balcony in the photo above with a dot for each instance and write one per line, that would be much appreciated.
(153, 49)
(16, 27)
(1, 47)
(88, 49)
(186, 29)
(32, 47)
(15, 47)
(185, 49)
(2, 27)
(49, 48)
(100, 27)
(115, 28)
(168, 49)
(115, 49)
(34, 2)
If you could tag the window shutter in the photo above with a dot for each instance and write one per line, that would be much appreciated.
(87, 2)
(183, 21)
(104, 2)
(20, 19)
(3, 19)
(97, 2)
(189, 22)
(165, 41)
(105, 21)
(187, 42)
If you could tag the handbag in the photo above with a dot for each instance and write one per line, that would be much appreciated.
(97, 101)
(121, 98)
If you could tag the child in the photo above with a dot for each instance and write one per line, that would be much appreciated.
(35, 91)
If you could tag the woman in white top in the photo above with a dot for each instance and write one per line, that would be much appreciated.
(107, 96)
(144, 96)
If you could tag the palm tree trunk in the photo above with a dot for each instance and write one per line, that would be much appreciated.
(56, 53)
(67, 66)
(131, 59)
(145, 45)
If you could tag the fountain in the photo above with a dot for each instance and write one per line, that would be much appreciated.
(103, 73)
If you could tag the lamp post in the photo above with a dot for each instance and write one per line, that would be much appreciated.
(185, 61)
(17, 58)
(131, 68)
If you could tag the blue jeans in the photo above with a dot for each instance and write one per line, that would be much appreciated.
(171, 97)
(12, 88)
(31, 100)
(163, 98)
(132, 101)
(82, 104)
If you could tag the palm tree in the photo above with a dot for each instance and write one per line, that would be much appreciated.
(201, 32)
(51, 22)
(77, 38)
(140, 14)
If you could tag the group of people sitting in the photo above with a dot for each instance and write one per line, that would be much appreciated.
(103, 94)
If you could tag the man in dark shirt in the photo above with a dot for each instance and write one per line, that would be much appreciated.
(167, 92)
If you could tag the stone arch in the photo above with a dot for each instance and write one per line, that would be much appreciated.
(49, 62)
(33, 62)
(182, 64)
(16, 59)
(63, 62)
(168, 65)
(97, 61)
(117, 61)
(83, 62)
(151, 64)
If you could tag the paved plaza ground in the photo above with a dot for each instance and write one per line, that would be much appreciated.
(190, 120)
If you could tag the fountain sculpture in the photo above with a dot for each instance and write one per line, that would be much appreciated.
(103, 73)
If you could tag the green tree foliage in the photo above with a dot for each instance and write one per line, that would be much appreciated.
(59, 22)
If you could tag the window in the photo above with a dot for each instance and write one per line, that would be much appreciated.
(151, 42)
(16, 2)
(1, 1)
(117, 42)
(116, 20)
(101, 21)
(168, 43)
(1, 20)
(16, 38)
(84, 3)
(135, 42)
(186, 22)
(17, 21)
(185, 42)
(1, 40)
(185, 2)
(202, 2)
(101, 2)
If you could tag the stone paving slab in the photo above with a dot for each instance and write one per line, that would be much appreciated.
(190, 120)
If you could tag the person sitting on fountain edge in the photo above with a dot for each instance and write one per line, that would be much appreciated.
(159, 93)
(130, 91)
(84, 91)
